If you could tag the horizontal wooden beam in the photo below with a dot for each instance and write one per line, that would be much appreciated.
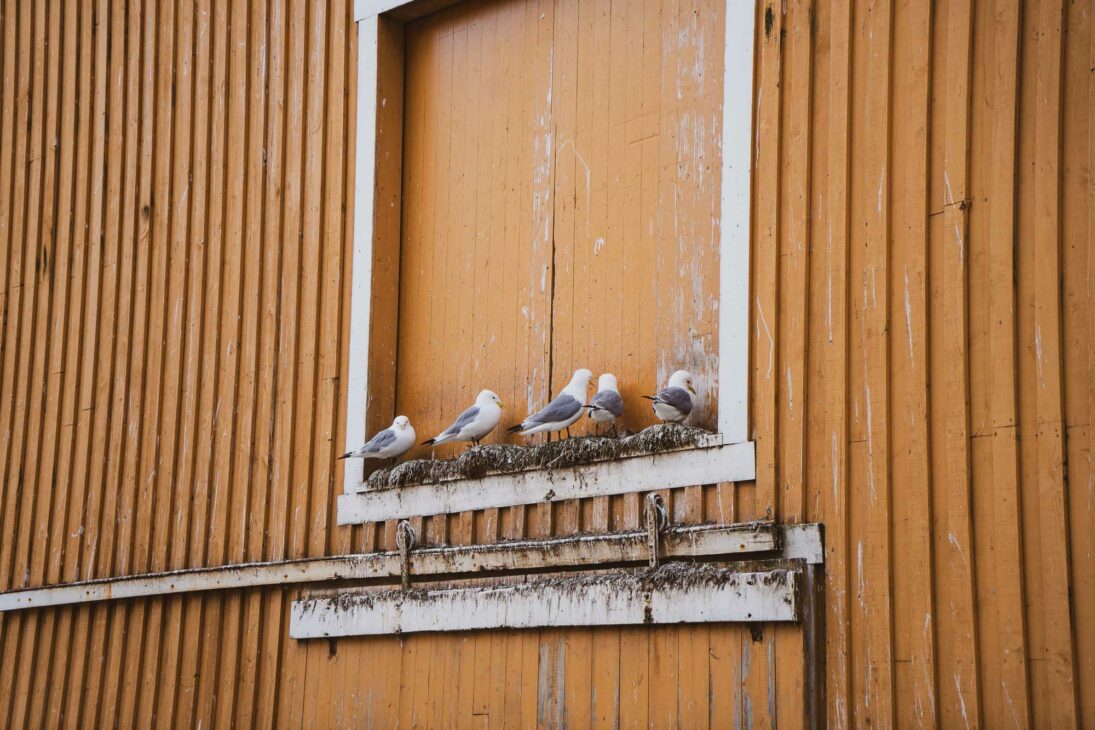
(678, 542)
(686, 468)
(672, 594)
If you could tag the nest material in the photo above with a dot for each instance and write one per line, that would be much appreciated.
(479, 461)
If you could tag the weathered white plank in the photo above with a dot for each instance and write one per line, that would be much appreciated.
(803, 542)
(361, 277)
(737, 145)
(677, 593)
(728, 463)
(699, 541)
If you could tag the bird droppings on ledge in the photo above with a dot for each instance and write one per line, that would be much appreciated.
(479, 461)
(675, 576)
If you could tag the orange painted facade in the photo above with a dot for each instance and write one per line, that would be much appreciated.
(176, 222)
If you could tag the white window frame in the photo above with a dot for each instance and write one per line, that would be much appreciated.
(733, 387)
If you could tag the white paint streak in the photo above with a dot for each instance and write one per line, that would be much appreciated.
(836, 470)
(1011, 704)
(881, 186)
(790, 393)
(961, 699)
(1038, 354)
(870, 442)
(908, 315)
(771, 340)
(598, 245)
(953, 540)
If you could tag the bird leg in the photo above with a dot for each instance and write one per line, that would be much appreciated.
(568, 432)
(614, 434)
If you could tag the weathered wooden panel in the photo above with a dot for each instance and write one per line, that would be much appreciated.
(673, 594)
(558, 212)
(173, 288)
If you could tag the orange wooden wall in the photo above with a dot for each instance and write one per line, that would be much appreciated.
(923, 320)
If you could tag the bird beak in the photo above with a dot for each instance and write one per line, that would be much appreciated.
(501, 403)
(691, 390)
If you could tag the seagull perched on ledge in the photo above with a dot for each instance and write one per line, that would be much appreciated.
(560, 413)
(391, 443)
(673, 404)
(474, 423)
(607, 405)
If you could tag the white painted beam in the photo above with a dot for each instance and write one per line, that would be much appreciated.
(361, 276)
(678, 542)
(729, 463)
(737, 146)
(670, 595)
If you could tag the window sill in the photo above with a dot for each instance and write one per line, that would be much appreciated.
(709, 462)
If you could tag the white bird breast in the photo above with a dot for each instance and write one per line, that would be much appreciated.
(603, 416)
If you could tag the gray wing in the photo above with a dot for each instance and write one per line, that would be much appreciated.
(378, 442)
(610, 401)
(462, 420)
(562, 408)
(676, 397)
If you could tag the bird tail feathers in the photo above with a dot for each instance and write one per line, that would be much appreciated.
(650, 397)
(515, 429)
(347, 455)
(429, 442)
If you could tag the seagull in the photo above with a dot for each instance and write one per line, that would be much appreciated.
(561, 412)
(391, 443)
(607, 405)
(474, 423)
(673, 403)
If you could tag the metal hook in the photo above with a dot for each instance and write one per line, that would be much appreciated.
(657, 519)
(404, 540)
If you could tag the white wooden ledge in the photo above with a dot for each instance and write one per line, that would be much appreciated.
(582, 551)
(673, 594)
(667, 470)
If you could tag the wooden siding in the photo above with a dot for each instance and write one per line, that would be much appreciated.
(924, 322)
(560, 205)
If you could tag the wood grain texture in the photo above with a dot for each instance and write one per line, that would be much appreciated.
(176, 232)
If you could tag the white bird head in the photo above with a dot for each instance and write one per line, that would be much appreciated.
(401, 423)
(682, 379)
(607, 381)
(581, 378)
(487, 397)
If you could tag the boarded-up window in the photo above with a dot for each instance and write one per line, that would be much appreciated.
(560, 204)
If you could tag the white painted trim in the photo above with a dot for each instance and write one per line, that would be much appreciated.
(357, 385)
(366, 9)
(734, 244)
(737, 126)
(621, 599)
(729, 463)
(678, 542)
(703, 442)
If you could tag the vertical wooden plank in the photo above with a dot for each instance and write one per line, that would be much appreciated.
(258, 351)
(914, 648)
(1078, 268)
(724, 672)
(794, 300)
(833, 422)
(55, 273)
(1045, 499)
(948, 260)
(767, 117)
(1000, 578)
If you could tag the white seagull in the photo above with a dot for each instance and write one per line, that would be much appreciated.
(607, 405)
(474, 423)
(391, 443)
(673, 404)
(564, 410)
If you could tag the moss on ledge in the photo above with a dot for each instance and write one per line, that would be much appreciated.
(479, 461)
